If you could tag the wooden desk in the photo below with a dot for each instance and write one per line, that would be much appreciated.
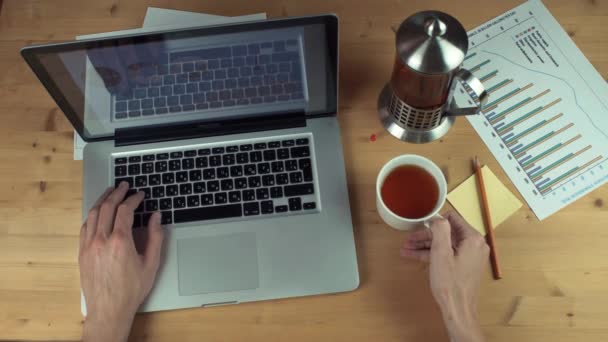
(556, 272)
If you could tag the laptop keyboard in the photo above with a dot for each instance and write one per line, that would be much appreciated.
(219, 77)
(262, 178)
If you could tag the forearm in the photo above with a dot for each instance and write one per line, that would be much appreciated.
(107, 330)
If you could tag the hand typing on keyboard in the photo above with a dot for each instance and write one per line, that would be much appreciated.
(115, 279)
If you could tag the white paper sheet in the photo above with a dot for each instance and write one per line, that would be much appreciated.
(546, 120)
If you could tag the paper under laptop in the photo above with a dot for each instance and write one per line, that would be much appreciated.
(165, 19)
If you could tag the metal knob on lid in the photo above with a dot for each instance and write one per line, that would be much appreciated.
(417, 105)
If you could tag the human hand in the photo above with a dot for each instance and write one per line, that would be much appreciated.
(457, 254)
(115, 279)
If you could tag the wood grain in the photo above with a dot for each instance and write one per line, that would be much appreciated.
(558, 269)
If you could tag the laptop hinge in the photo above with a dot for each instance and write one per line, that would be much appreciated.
(167, 132)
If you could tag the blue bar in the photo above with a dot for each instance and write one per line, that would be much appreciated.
(534, 170)
(508, 136)
(524, 160)
(543, 181)
(489, 116)
(516, 147)
(498, 126)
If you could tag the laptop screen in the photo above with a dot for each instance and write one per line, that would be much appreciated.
(191, 75)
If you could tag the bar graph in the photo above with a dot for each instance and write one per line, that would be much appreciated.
(544, 121)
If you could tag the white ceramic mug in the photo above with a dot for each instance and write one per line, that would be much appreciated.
(403, 223)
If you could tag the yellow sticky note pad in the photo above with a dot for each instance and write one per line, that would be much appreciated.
(466, 200)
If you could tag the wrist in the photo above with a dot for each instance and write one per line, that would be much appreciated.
(461, 322)
(97, 328)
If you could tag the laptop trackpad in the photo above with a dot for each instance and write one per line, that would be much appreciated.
(217, 264)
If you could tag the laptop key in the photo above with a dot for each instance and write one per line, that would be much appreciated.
(154, 180)
(262, 194)
(168, 178)
(295, 204)
(147, 168)
(147, 193)
(217, 150)
(307, 173)
(134, 159)
(254, 181)
(179, 202)
(304, 163)
(283, 153)
(171, 190)
(188, 163)
(259, 146)
(240, 183)
(213, 186)
(282, 178)
(120, 171)
(185, 189)
(276, 192)
(204, 152)
(291, 165)
(248, 195)
(277, 166)
(310, 205)
(232, 149)
(226, 185)
(158, 191)
(286, 143)
(199, 187)
(134, 169)
(263, 168)
(141, 181)
(300, 152)
(268, 180)
(228, 159)
(207, 199)
(165, 203)
(281, 208)
(302, 141)
(194, 201)
(242, 158)
(190, 153)
(255, 156)
(270, 155)
(152, 205)
(121, 160)
(220, 198)
(208, 174)
(299, 190)
(166, 218)
(215, 161)
(181, 177)
(295, 177)
(129, 180)
(208, 213)
(236, 171)
(234, 196)
(250, 170)
(195, 175)
(267, 207)
(175, 165)
(201, 162)
(222, 172)
(274, 144)
(251, 208)
(162, 156)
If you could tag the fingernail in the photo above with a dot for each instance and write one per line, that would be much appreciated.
(157, 217)
(123, 184)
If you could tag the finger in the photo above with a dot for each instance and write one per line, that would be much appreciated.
(124, 215)
(423, 234)
(442, 237)
(91, 222)
(83, 236)
(424, 244)
(459, 223)
(155, 243)
(420, 254)
(107, 212)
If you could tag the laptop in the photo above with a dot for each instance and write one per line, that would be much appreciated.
(231, 132)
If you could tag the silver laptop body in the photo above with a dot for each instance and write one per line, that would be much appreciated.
(251, 184)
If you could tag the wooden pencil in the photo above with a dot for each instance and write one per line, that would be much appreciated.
(487, 220)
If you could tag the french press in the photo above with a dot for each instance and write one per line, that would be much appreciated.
(418, 103)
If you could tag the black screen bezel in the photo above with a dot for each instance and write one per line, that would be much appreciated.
(31, 55)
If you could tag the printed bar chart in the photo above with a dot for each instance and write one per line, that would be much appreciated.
(546, 119)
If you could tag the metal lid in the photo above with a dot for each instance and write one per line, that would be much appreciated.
(432, 42)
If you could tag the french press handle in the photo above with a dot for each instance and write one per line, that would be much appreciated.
(474, 86)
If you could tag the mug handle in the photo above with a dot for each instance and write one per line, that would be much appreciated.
(427, 223)
(475, 89)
